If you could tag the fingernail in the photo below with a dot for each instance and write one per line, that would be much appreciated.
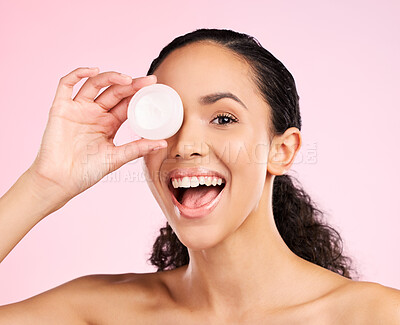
(125, 76)
(94, 68)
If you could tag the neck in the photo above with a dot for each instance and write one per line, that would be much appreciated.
(252, 266)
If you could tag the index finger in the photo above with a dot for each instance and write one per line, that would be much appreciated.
(66, 84)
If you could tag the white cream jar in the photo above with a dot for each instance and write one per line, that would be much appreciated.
(155, 112)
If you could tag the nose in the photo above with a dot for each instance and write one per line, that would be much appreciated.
(189, 142)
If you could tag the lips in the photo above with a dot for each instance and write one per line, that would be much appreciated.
(177, 193)
(197, 212)
(194, 171)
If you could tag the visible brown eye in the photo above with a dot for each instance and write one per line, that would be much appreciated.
(225, 119)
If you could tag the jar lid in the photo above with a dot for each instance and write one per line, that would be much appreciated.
(155, 112)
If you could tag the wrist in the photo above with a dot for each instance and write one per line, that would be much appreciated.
(45, 195)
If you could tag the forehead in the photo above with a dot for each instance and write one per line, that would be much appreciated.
(205, 67)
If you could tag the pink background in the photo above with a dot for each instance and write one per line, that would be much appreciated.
(344, 56)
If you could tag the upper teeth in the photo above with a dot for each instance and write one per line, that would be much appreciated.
(196, 181)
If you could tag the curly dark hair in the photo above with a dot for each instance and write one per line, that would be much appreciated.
(297, 217)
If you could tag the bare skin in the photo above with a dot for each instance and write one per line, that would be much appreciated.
(154, 303)
(240, 270)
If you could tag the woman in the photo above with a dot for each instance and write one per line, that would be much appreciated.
(257, 255)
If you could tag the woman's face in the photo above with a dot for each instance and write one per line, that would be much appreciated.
(235, 145)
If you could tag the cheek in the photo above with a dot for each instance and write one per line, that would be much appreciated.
(147, 169)
(244, 151)
(148, 172)
(246, 190)
(151, 165)
(244, 145)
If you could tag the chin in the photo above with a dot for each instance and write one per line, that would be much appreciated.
(199, 239)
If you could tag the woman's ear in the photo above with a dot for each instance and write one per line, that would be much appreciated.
(283, 151)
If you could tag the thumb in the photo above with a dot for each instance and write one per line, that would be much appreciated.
(135, 149)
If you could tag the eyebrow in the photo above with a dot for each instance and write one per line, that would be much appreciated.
(212, 98)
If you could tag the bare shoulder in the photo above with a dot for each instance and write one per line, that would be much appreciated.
(363, 302)
(384, 303)
(90, 299)
(121, 298)
(64, 304)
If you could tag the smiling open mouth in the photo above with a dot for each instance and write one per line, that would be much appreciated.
(195, 197)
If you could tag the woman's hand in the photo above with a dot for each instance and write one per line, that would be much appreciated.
(77, 148)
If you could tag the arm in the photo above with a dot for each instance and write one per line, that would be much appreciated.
(22, 207)
(76, 151)
(60, 305)
(87, 300)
